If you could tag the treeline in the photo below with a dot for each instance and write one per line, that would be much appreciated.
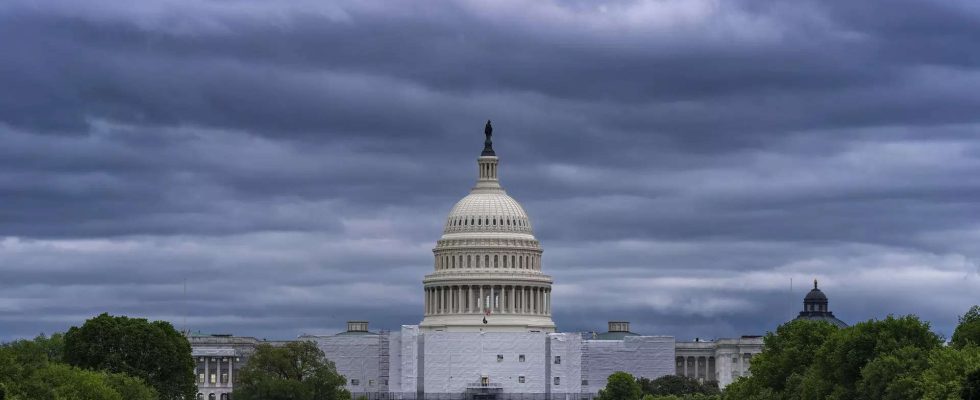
(108, 358)
(890, 359)
(121, 358)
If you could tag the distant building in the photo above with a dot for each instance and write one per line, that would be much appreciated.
(487, 331)
(815, 308)
(721, 360)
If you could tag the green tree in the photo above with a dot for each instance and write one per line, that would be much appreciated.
(948, 368)
(295, 371)
(676, 385)
(836, 371)
(787, 354)
(152, 351)
(971, 386)
(29, 370)
(621, 386)
(968, 330)
(894, 376)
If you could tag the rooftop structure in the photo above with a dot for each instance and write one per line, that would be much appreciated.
(815, 308)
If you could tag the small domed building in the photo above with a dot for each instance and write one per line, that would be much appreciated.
(815, 308)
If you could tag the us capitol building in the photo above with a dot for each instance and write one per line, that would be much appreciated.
(487, 330)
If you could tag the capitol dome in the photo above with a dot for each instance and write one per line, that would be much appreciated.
(487, 263)
(488, 211)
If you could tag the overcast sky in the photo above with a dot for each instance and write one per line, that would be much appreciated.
(681, 160)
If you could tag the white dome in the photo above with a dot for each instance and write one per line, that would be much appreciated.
(488, 211)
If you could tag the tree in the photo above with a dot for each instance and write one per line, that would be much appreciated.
(971, 386)
(836, 371)
(948, 369)
(788, 353)
(152, 351)
(295, 371)
(621, 386)
(968, 330)
(29, 370)
(676, 385)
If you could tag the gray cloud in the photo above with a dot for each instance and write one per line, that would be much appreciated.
(681, 160)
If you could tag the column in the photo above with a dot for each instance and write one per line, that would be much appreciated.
(504, 307)
(492, 302)
(534, 301)
(459, 308)
(231, 370)
(480, 303)
(207, 371)
(547, 301)
(520, 299)
(508, 293)
(524, 297)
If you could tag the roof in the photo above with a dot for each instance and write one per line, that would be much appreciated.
(821, 316)
(613, 335)
(815, 295)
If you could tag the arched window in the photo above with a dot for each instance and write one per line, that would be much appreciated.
(486, 261)
(224, 396)
(200, 396)
(469, 261)
(494, 222)
(453, 263)
(488, 221)
(512, 262)
(505, 261)
(479, 222)
(495, 261)
(211, 396)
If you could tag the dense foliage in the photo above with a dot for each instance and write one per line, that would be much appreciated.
(294, 371)
(621, 386)
(891, 359)
(32, 370)
(968, 331)
(152, 351)
(673, 385)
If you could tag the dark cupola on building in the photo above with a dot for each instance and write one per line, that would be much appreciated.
(815, 308)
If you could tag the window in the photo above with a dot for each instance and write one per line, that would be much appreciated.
(520, 379)
(355, 382)
(585, 382)
(224, 396)
(557, 359)
(200, 379)
(211, 396)
(214, 378)
(200, 396)
(224, 377)
(370, 382)
(520, 358)
(557, 381)
(500, 357)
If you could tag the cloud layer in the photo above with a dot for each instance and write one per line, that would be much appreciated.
(682, 160)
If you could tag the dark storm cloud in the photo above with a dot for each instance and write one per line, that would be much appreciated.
(681, 160)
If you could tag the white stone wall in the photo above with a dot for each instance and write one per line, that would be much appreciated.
(454, 360)
(568, 346)
(408, 362)
(647, 356)
(356, 357)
